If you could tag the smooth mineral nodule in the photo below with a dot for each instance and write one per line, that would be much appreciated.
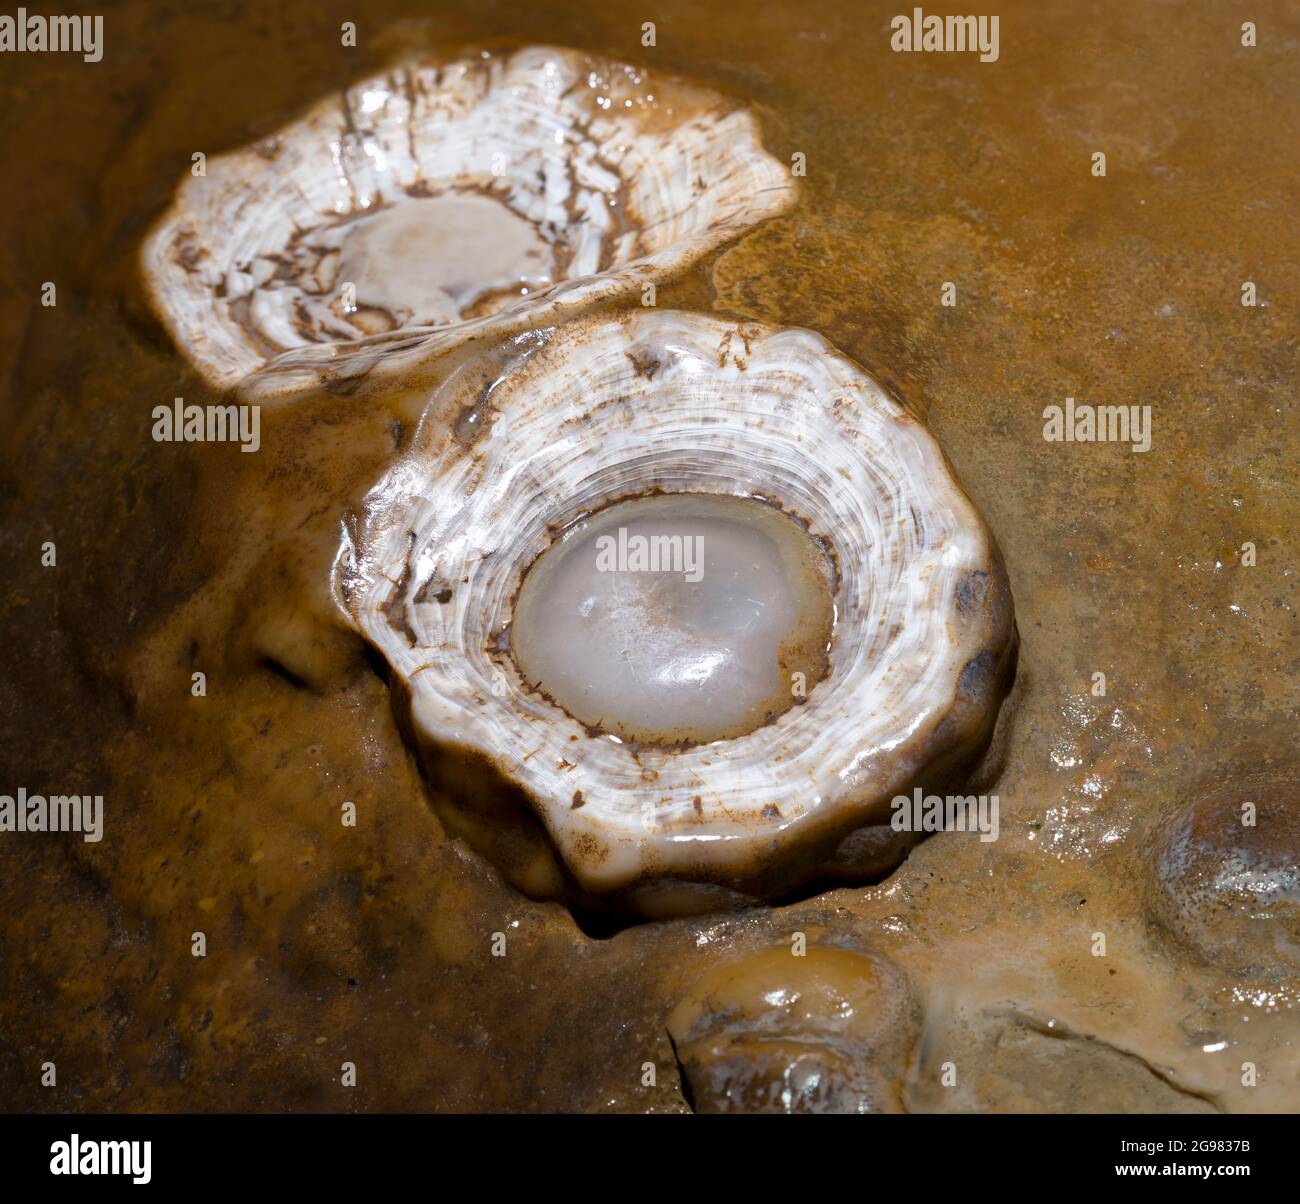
(685, 618)
(831, 1030)
(1225, 878)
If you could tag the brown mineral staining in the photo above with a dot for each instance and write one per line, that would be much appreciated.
(588, 851)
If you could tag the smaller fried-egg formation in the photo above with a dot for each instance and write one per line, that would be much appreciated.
(448, 201)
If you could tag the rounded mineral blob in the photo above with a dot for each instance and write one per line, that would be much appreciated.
(677, 618)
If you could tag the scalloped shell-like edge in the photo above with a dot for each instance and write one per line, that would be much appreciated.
(603, 408)
(194, 241)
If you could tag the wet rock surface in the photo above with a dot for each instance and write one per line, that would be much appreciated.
(376, 943)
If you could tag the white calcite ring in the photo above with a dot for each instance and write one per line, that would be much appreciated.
(448, 201)
(586, 416)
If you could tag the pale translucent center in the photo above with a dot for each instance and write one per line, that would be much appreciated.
(678, 618)
(428, 260)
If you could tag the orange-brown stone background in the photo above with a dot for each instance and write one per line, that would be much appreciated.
(372, 944)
